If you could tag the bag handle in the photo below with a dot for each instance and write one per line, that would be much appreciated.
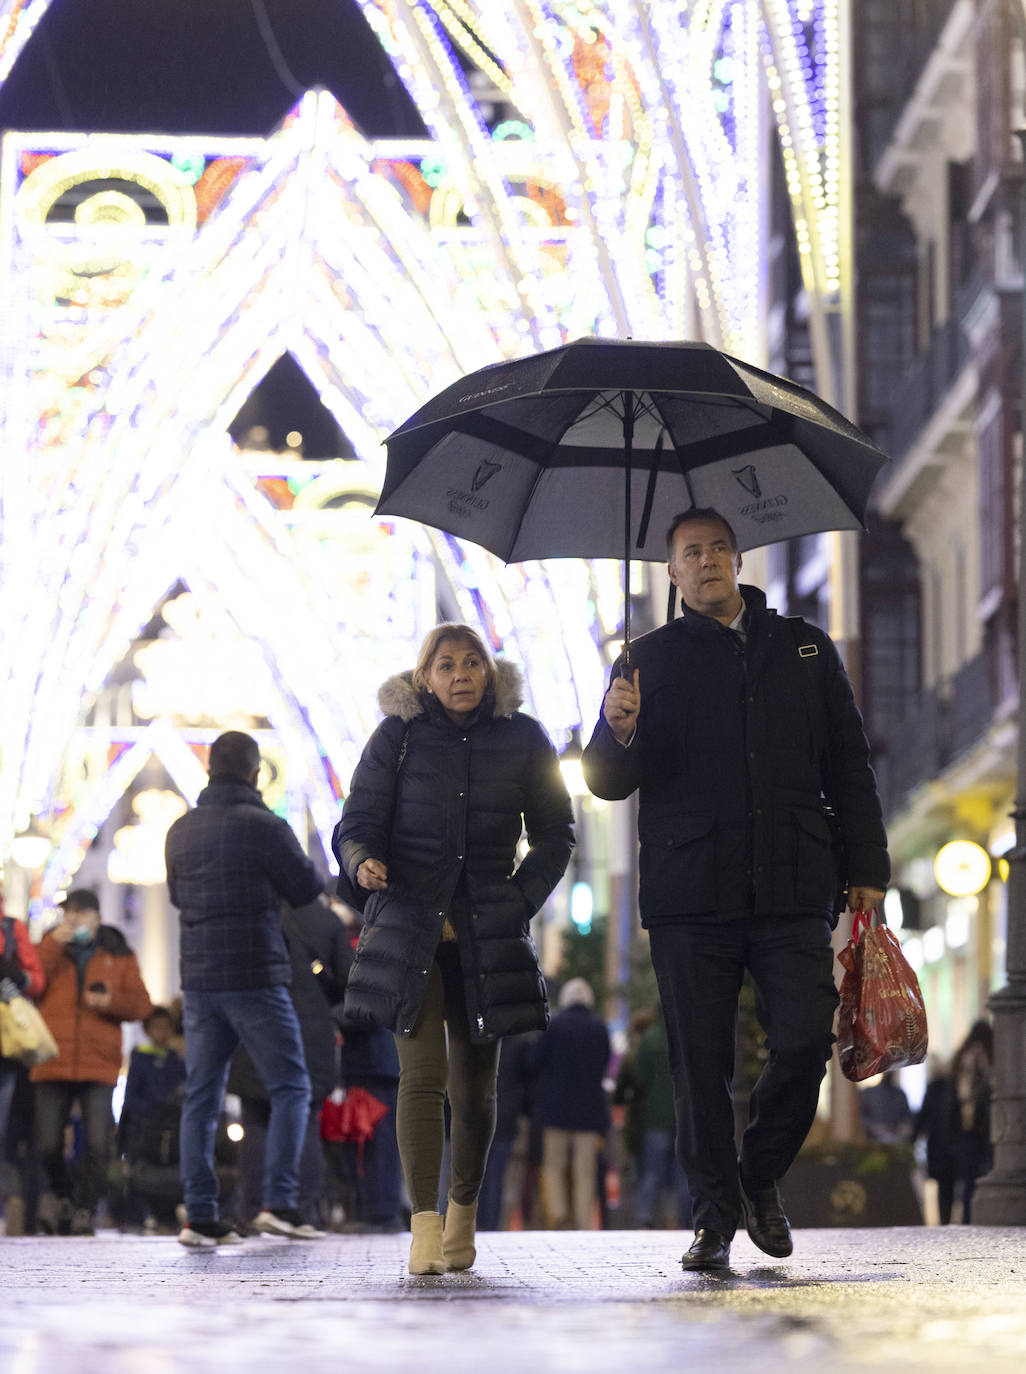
(863, 920)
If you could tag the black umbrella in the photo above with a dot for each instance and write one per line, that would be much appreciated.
(589, 450)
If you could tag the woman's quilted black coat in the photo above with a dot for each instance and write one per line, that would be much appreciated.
(448, 825)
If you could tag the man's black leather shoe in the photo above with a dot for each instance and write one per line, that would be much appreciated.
(710, 1251)
(765, 1221)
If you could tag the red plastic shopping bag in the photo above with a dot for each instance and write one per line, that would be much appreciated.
(882, 1020)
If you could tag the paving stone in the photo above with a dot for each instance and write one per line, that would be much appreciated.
(937, 1299)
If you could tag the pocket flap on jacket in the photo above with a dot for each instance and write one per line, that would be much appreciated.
(814, 824)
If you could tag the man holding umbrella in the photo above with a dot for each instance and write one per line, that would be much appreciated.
(738, 728)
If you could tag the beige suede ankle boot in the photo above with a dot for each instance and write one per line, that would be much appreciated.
(458, 1241)
(426, 1255)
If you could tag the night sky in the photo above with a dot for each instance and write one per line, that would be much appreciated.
(199, 66)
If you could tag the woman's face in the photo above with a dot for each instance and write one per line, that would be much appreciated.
(457, 677)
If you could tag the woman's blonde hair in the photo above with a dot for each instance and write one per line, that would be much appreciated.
(463, 634)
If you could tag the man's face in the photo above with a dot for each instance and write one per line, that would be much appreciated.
(85, 922)
(704, 567)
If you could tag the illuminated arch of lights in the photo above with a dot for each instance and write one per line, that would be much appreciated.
(614, 199)
(646, 130)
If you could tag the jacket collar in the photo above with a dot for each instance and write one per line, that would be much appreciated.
(753, 597)
(108, 939)
(229, 793)
(397, 696)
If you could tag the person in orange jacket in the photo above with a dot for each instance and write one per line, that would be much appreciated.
(93, 984)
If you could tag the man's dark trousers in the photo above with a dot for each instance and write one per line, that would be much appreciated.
(699, 964)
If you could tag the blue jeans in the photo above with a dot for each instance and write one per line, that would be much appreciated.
(264, 1020)
(489, 1200)
(659, 1170)
(249, 1191)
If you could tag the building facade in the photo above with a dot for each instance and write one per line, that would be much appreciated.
(939, 225)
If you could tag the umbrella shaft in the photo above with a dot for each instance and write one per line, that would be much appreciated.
(628, 447)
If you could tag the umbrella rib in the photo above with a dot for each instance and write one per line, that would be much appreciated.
(650, 486)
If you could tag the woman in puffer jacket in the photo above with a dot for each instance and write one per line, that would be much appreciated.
(442, 794)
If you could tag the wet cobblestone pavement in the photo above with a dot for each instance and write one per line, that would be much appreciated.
(950, 1298)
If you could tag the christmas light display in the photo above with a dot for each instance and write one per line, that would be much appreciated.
(607, 177)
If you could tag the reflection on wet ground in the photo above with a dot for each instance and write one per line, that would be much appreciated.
(892, 1299)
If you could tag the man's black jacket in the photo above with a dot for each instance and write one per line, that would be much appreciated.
(738, 747)
(229, 863)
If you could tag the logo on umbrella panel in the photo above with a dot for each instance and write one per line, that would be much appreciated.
(748, 479)
(486, 470)
(764, 509)
(462, 501)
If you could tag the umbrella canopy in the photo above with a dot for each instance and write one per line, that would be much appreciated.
(589, 450)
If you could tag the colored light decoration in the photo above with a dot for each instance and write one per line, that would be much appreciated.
(18, 18)
(191, 165)
(614, 191)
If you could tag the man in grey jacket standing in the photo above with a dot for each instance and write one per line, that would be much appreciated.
(230, 861)
(738, 728)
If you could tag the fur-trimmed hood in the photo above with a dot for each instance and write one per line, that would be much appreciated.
(397, 697)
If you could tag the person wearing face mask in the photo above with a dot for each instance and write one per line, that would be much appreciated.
(446, 786)
(93, 985)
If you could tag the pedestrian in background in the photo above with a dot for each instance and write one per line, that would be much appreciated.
(230, 862)
(320, 955)
(659, 1170)
(738, 728)
(156, 1072)
(93, 986)
(971, 1070)
(570, 1062)
(935, 1121)
(627, 1105)
(148, 1128)
(514, 1089)
(884, 1112)
(21, 974)
(369, 1170)
(443, 791)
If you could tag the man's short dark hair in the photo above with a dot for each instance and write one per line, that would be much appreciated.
(81, 899)
(235, 756)
(692, 516)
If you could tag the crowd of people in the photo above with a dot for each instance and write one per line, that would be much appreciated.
(391, 1043)
(68, 1166)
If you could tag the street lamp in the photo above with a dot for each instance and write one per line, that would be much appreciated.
(962, 868)
(1000, 1198)
(31, 849)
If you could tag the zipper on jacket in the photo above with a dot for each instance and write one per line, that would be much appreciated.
(470, 944)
